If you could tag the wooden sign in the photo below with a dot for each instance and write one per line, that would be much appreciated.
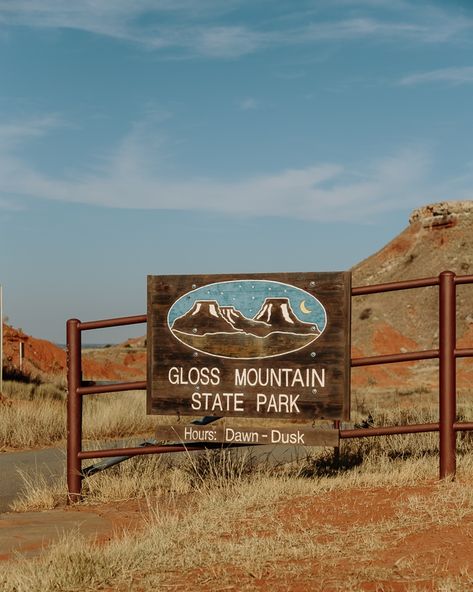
(293, 435)
(272, 345)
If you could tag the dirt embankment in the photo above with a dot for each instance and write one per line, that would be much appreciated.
(439, 238)
(43, 360)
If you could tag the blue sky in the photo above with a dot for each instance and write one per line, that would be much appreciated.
(183, 136)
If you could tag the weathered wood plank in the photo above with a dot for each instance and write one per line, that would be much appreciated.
(294, 435)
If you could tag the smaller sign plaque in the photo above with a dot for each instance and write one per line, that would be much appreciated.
(293, 435)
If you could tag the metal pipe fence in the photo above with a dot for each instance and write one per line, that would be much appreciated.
(447, 354)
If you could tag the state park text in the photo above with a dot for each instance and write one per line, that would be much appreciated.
(279, 390)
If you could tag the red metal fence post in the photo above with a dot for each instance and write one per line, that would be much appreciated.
(74, 410)
(447, 374)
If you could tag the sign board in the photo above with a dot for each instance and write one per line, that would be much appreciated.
(265, 346)
(293, 435)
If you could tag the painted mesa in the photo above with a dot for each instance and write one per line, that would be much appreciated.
(272, 346)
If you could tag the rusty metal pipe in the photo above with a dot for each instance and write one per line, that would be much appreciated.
(463, 426)
(74, 410)
(464, 279)
(447, 374)
(394, 286)
(464, 352)
(390, 430)
(115, 387)
(135, 451)
(395, 358)
(118, 322)
(161, 449)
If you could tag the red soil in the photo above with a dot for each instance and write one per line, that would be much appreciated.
(387, 340)
(44, 359)
(405, 560)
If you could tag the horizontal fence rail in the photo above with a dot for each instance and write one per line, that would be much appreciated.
(447, 353)
(395, 358)
(138, 450)
(117, 322)
(395, 286)
(115, 387)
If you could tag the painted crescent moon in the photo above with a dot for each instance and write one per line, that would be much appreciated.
(304, 308)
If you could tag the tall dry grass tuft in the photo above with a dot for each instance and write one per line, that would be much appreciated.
(137, 477)
(34, 390)
(72, 565)
(218, 468)
(117, 415)
(39, 493)
(26, 424)
(37, 415)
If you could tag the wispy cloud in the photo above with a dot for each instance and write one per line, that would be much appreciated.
(215, 29)
(15, 133)
(190, 27)
(453, 75)
(248, 104)
(128, 179)
(228, 41)
(357, 28)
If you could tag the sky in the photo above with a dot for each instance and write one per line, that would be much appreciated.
(199, 137)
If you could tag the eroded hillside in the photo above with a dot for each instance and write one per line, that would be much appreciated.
(439, 237)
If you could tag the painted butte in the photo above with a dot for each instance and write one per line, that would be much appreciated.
(225, 332)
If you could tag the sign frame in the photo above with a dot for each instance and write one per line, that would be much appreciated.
(321, 368)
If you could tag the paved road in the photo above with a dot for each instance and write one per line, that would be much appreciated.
(50, 463)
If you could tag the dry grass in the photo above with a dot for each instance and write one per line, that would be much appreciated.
(361, 464)
(34, 390)
(37, 416)
(237, 532)
(450, 504)
(230, 522)
(117, 415)
(38, 493)
(231, 525)
(394, 460)
(27, 424)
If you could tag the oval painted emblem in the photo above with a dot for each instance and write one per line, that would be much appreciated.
(247, 319)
